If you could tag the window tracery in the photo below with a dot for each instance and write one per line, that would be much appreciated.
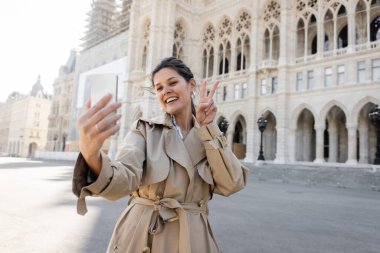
(272, 11)
(271, 39)
(243, 27)
(209, 34)
(224, 52)
(243, 22)
(179, 39)
(225, 28)
(208, 51)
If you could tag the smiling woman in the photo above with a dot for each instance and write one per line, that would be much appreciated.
(170, 166)
(42, 34)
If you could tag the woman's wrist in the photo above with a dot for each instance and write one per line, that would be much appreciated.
(94, 162)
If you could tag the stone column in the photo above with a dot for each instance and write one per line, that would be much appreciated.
(156, 36)
(216, 62)
(335, 37)
(230, 135)
(319, 131)
(233, 60)
(254, 45)
(351, 30)
(292, 133)
(286, 31)
(333, 141)
(306, 143)
(352, 150)
(251, 120)
(363, 142)
(368, 26)
(249, 156)
(126, 110)
(282, 152)
(320, 38)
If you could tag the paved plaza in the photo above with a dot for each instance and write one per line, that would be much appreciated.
(281, 210)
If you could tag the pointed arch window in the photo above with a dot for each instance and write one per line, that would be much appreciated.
(208, 51)
(224, 56)
(208, 62)
(242, 27)
(375, 28)
(242, 53)
(343, 38)
(179, 39)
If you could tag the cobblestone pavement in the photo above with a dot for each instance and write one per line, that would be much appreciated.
(282, 209)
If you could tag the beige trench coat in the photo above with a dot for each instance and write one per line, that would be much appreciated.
(170, 182)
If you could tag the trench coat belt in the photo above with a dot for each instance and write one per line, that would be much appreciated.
(166, 210)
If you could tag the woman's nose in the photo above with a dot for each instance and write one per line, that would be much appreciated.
(166, 89)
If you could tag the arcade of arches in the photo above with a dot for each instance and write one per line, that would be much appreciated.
(330, 140)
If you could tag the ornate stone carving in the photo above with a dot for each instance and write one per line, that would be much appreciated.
(272, 11)
(179, 32)
(225, 28)
(209, 34)
(147, 30)
(243, 22)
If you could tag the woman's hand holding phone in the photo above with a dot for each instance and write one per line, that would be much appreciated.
(97, 123)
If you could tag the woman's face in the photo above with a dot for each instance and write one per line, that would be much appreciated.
(173, 92)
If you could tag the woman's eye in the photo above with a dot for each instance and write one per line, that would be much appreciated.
(172, 84)
(159, 89)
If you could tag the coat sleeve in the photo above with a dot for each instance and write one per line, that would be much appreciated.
(228, 173)
(118, 177)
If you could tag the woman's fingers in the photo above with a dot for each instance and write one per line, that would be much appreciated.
(107, 123)
(203, 89)
(110, 131)
(213, 89)
(98, 106)
(88, 104)
(102, 113)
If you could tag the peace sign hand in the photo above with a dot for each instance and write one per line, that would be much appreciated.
(206, 109)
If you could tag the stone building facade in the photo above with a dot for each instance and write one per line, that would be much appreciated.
(311, 68)
(26, 122)
(60, 114)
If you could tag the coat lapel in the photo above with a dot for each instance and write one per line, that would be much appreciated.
(177, 151)
(194, 147)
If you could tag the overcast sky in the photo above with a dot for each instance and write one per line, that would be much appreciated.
(36, 39)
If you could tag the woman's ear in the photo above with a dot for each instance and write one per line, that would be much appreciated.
(193, 85)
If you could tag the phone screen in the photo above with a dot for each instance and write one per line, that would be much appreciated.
(101, 85)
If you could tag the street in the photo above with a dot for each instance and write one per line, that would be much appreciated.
(38, 214)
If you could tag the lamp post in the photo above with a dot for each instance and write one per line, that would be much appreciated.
(262, 123)
(374, 117)
(19, 152)
(55, 141)
(64, 136)
(223, 126)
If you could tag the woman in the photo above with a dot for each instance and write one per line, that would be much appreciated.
(170, 166)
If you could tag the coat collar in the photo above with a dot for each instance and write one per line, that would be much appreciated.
(187, 152)
(165, 119)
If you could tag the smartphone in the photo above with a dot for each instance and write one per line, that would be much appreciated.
(101, 85)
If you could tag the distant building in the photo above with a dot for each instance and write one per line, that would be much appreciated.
(24, 128)
(60, 114)
(5, 116)
(310, 67)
